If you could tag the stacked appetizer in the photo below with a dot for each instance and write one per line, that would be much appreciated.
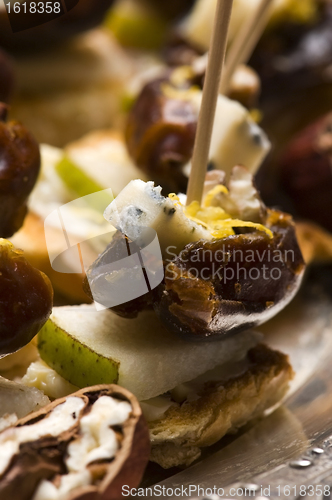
(199, 390)
(175, 365)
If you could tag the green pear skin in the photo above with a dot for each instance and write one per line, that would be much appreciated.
(77, 363)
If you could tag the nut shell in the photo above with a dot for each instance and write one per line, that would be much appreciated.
(126, 468)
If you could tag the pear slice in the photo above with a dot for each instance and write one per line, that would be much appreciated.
(136, 25)
(75, 179)
(88, 347)
(97, 161)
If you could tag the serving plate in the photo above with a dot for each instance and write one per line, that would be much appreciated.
(304, 331)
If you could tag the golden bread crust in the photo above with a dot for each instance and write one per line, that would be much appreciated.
(221, 408)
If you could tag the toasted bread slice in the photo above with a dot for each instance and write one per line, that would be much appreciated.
(221, 408)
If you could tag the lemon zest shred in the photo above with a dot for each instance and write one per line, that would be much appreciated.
(212, 214)
(192, 209)
(198, 221)
(181, 75)
(222, 233)
(214, 192)
(178, 94)
(256, 115)
(174, 197)
(240, 223)
(215, 219)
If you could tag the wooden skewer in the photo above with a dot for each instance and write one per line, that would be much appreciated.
(209, 101)
(245, 43)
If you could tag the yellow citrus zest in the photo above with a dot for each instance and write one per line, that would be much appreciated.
(214, 218)
(214, 192)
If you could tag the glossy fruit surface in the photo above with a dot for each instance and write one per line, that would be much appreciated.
(26, 298)
(20, 164)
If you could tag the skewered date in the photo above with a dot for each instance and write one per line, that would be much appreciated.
(26, 297)
(229, 264)
(161, 126)
(226, 285)
(287, 58)
(160, 135)
(85, 446)
(20, 164)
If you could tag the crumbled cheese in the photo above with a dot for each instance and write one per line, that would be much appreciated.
(62, 418)
(140, 205)
(41, 376)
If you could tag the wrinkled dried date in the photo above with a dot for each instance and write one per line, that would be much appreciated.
(20, 164)
(215, 288)
(26, 299)
(160, 135)
(295, 55)
(161, 126)
(95, 283)
(223, 286)
(306, 172)
(45, 458)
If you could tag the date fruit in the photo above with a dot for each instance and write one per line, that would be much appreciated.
(161, 128)
(160, 135)
(26, 298)
(219, 287)
(85, 446)
(306, 172)
(20, 164)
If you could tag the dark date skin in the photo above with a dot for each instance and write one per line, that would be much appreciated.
(294, 57)
(220, 287)
(95, 284)
(160, 135)
(306, 172)
(20, 165)
(26, 299)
